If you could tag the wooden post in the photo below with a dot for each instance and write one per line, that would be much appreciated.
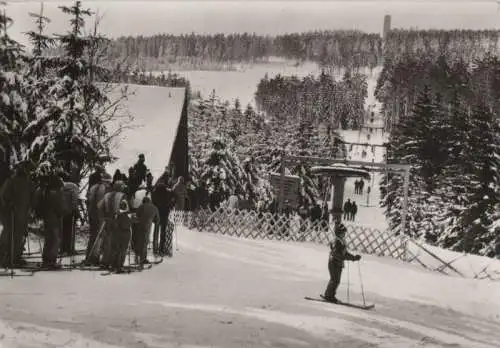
(406, 184)
(282, 184)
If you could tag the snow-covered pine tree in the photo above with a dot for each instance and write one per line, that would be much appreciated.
(75, 137)
(415, 141)
(483, 154)
(13, 107)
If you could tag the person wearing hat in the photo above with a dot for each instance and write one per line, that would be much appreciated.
(51, 201)
(146, 214)
(95, 177)
(109, 209)
(140, 170)
(120, 239)
(338, 254)
(16, 200)
(94, 195)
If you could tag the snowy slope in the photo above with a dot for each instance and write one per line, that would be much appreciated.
(156, 112)
(220, 291)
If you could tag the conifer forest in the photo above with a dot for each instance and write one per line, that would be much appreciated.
(439, 92)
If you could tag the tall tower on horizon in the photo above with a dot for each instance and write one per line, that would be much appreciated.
(387, 26)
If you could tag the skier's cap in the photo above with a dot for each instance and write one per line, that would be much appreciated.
(141, 156)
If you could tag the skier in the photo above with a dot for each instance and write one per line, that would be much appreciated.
(361, 186)
(163, 199)
(94, 195)
(120, 239)
(347, 209)
(149, 183)
(71, 200)
(354, 211)
(109, 208)
(95, 177)
(16, 198)
(50, 200)
(147, 213)
(140, 170)
(338, 254)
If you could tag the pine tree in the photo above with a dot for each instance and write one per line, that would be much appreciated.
(13, 107)
(74, 137)
(416, 142)
(484, 192)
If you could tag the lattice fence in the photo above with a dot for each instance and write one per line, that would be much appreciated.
(254, 225)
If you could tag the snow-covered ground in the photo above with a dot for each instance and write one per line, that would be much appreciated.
(220, 291)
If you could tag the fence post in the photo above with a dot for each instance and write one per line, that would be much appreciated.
(405, 210)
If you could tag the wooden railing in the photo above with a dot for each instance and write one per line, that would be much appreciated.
(254, 225)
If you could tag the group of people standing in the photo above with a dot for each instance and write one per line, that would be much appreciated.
(51, 196)
(115, 223)
(350, 210)
(359, 185)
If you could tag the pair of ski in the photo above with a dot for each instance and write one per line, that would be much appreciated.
(132, 269)
(321, 298)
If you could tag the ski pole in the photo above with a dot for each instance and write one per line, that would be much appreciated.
(361, 282)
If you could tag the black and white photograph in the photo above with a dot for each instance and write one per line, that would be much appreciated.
(237, 173)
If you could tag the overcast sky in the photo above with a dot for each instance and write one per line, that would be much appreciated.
(262, 17)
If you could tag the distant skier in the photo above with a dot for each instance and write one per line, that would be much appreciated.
(354, 211)
(347, 209)
(338, 254)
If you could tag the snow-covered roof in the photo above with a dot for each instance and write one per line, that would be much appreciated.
(157, 112)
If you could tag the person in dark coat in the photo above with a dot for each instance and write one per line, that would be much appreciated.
(347, 209)
(164, 199)
(118, 176)
(16, 199)
(94, 195)
(361, 186)
(108, 208)
(51, 200)
(146, 214)
(72, 199)
(95, 177)
(354, 211)
(149, 182)
(140, 170)
(338, 254)
(120, 240)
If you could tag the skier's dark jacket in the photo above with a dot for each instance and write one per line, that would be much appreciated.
(339, 253)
